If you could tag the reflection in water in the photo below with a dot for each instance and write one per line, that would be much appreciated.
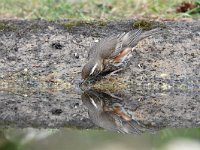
(27, 101)
(107, 111)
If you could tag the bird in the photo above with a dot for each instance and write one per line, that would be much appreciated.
(107, 111)
(113, 50)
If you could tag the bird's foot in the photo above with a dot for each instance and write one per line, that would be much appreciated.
(114, 73)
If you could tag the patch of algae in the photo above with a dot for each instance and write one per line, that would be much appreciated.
(147, 25)
(25, 83)
(110, 84)
(75, 23)
(72, 24)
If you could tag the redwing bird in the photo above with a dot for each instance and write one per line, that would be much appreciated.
(114, 50)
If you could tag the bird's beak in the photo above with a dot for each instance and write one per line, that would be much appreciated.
(83, 81)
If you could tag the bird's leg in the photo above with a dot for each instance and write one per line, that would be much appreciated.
(114, 73)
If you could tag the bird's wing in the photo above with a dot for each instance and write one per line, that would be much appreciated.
(104, 48)
(115, 44)
(127, 40)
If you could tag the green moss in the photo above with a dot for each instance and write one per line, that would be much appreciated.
(75, 23)
(148, 25)
(143, 24)
(72, 24)
(6, 26)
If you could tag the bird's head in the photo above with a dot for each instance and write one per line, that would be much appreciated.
(92, 69)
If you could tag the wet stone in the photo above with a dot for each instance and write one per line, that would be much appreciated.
(150, 96)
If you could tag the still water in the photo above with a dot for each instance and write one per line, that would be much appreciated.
(99, 121)
(48, 117)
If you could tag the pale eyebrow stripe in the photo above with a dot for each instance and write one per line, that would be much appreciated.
(93, 103)
(93, 69)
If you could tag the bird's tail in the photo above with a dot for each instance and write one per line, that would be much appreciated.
(151, 33)
(132, 38)
(144, 34)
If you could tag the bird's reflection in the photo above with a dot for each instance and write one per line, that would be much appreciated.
(107, 111)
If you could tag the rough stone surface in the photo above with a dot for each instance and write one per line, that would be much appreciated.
(40, 65)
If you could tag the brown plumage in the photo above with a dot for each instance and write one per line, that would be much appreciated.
(113, 50)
